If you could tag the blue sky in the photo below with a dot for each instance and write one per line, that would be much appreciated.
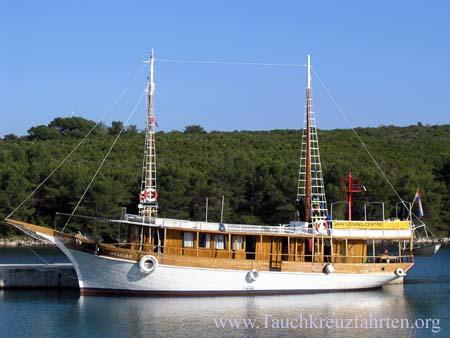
(386, 62)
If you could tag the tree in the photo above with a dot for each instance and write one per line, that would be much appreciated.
(116, 127)
(194, 129)
(10, 137)
(73, 126)
(43, 132)
(442, 173)
(132, 129)
(257, 172)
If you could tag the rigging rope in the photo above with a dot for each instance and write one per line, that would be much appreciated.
(111, 107)
(38, 256)
(49, 264)
(88, 217)
(106, 157)
(233, 63)
(198, 62)
(359, 138)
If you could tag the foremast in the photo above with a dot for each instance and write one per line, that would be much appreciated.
(311, 199)
(148, 199)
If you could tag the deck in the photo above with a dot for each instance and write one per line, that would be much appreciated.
(338, 229)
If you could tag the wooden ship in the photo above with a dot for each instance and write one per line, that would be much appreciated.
(314, 253)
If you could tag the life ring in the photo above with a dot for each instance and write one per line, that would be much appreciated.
(252, 275)
(148, 196)
(148, 264)
(400, 272)
(321, 226)
(328, 268)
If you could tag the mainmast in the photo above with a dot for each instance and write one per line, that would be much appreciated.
(311, 200)
(148, 198)
(308, 143)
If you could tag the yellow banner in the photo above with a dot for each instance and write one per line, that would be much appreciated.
(371, 225)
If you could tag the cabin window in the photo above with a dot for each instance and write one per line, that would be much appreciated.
(188, 239)
(238, 242)
(219, 242)
(205, 240)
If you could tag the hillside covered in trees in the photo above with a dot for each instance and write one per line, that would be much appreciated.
(256, 171)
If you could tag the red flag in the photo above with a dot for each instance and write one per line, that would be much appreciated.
(152, 121)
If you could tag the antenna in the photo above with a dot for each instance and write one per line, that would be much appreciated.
(151, 71)
(351, 185)
(151, 82)
(308, 85)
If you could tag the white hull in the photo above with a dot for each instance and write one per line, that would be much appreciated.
(97, 274)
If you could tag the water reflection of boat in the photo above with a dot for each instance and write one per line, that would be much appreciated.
(365, 301)
(197, 315)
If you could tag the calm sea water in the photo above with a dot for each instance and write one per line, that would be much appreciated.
(423, 302)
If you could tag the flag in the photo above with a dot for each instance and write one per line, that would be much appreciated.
(418, 198)
(153, 121)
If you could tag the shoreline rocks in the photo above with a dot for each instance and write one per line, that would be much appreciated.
(18, 242)
(443, 240)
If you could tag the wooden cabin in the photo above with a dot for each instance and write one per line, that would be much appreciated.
(273, 248)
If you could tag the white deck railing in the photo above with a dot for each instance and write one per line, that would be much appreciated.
(296, 228)
(211, 226)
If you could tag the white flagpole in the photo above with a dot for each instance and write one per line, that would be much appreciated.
(221, 213)
(206, 212)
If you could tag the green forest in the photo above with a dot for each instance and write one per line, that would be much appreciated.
(256, 171)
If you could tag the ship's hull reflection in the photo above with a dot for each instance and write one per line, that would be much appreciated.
(199, 316)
